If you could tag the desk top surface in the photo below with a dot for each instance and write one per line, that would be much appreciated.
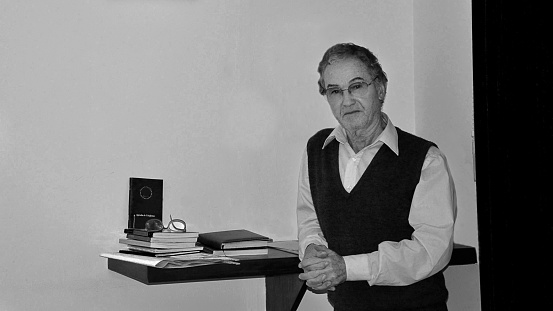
(275, 263)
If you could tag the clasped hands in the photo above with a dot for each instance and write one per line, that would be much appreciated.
(323, 268)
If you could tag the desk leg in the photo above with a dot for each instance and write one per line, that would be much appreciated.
(284, 292)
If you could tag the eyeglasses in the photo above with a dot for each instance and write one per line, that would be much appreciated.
(156, 225)
(335, 95)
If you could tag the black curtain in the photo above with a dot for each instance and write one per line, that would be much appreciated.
(513, 86)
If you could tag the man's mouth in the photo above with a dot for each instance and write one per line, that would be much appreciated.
(350, 112)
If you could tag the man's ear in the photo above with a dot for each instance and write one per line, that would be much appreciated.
(381, 89)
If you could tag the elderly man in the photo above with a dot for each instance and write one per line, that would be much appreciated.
(376, 205)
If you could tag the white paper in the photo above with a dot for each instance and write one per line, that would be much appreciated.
(181, 261)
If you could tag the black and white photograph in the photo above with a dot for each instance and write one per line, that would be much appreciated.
(250, 155)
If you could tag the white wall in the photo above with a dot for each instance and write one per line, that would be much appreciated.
(444, 114)
(215, 97)
(444, 97)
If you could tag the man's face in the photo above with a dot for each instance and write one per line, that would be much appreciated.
(353, 113)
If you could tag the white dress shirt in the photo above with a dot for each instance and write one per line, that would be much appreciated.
(432, 216)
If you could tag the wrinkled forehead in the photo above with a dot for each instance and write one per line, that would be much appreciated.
(341, 71)
(343, 57)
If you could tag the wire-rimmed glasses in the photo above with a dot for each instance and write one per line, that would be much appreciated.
(335, 94)
(174, 225)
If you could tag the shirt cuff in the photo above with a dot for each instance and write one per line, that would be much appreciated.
(357, 267)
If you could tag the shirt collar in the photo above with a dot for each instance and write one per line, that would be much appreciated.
(388, 136)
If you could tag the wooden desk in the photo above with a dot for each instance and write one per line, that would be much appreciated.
(284, 290)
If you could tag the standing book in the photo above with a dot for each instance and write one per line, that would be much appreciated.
(145, 201)
(232, 239)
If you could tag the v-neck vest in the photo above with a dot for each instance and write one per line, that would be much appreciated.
(376, 210)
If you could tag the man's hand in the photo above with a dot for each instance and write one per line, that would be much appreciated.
(323, 268)
(314, 251)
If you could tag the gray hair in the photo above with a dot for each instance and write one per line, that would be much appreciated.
(349, 50)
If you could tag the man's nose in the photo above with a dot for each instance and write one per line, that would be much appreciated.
(347, 98)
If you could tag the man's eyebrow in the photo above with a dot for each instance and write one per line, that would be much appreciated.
(350, 81)
(356, 78)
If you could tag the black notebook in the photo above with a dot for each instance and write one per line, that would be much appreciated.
(145, 201)
(232, 239)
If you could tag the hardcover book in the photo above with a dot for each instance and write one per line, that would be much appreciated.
(178, 245)
(163, 250)
(170, 234)
(162, 240)
(145, 201)
(238, 251)
(151, 254)
(231, 239)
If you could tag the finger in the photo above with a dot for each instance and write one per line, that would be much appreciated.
(319, 247)
(322, 286)
(322, 254)
(316, 282)
(314, 265)
(306, 262)
(310, 261)
(310, 275)
(318, 266)
(321, 250)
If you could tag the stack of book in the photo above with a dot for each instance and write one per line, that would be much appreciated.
(159, 244)
(234, 243)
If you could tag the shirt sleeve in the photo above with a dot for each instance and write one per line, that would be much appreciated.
(432, 215)
(309, 230)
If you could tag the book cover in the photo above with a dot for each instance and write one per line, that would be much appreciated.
(228, 239)
(150, 254)
(238, 251)
(163, 250)
(174, 234)
(156, 245)
(145, 201)
(172, 239)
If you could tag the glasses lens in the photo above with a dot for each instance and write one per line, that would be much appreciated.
(154, 225)
(358, 89)
(177, 224)
(334, 95)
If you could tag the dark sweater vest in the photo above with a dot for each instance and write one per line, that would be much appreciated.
(376, 210)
